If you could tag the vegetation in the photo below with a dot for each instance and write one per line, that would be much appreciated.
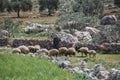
(10, 26)
(3, 4)
(15, 5)
(89, 8)
(79, 19)
(81, 12)
(117, 2)
(108, 61)
(27, 68)
(51, 5)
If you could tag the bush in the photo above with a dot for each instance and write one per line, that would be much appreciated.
(10, 26)
(78, 21)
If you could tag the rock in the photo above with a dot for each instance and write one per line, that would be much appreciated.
(64, 64)
(108, 19)
(35, 27)
(84, 37)
(92, 31)
(68, 37)
(114, 74)
(107, 34)
(83, 65)
(4, 33)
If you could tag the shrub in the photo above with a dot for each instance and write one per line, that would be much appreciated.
(78, 21)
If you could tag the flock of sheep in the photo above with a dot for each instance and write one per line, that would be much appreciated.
(62, 51)
(96, 73)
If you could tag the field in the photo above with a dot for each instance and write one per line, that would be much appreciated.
(14, 67)
(29, 17)
(109, 61)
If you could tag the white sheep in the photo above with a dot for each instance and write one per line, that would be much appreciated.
(16, 50)
(24, 49)
(37, 47)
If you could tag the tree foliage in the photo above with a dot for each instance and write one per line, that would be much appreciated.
(48, 4)
(66, 6)
(18, 5)
(3, 4)
(89, 7)
(117, 2)
(15, 5)
(78, 19)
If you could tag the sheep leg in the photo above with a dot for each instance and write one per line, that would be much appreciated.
(85, 54)
(82, 54)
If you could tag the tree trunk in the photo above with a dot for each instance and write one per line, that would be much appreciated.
(49, 11)
(18, 13)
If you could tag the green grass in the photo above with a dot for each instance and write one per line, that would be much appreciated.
(14, 67)
(108, 61)
(41, 35)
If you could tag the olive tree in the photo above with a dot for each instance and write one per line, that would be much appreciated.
(89, 7)
(48, 4)
(18, 5)
(3, 4)
(117, 2)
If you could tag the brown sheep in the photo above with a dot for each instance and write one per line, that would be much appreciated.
(53, 52)
(62, 50)
(24, 49)
(92, 52)
(71, 51)
(16, 50)
(84, 50)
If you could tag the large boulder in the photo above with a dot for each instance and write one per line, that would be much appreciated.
(92, 31)
(108, 34)
(108, 19)
(84, 37)
(68, 37)
(35, 27)
(4, 33)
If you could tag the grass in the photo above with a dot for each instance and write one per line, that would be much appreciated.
(14, 67)
(41, 35)
(108, 61)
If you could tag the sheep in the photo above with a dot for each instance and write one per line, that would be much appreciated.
(62, 50)
(71, 51)
(16, 50)
(24, 49)
(32, 49)
(53, 52)
(92, 52)
(37, 47)
(45, 51)
(84, 50)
